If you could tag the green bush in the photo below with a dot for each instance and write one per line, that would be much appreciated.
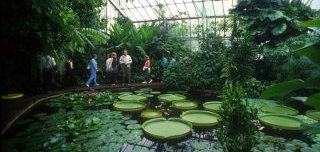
(199, 70)
(237, 131)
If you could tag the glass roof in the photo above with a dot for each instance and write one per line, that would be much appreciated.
(154, 10)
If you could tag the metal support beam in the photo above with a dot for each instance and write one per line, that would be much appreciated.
(129, 10)
(175, 19)
(117, 8)
(155, 12)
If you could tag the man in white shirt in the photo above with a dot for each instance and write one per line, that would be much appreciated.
(50, 68)
(125, 61)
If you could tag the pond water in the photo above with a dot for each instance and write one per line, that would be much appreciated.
(86, 121)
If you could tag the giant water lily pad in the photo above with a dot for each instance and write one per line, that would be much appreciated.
(314, 114)
(280, 121)
(155, 92)
(171, 97)
(258, 103)
(150, 114)
(201, 118)
(184, 104)
(172, 128)
(279, 109)
(214, 106)
(129, 106)
(131, 97)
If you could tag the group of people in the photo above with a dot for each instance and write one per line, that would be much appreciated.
(112, 63)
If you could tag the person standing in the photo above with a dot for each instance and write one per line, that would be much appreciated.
(164, 61)
(125, 61)
(112, 68)
(49, 74)
(69, 71)
(93, 67)
(172, 61)
(147, 69)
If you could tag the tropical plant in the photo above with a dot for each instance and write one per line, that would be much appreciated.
(283, 88)
(39, 28)
(268, 21)
(237, 131)
(310, 50)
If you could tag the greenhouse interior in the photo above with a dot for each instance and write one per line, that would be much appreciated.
(160, 75)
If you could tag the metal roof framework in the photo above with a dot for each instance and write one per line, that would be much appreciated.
(192, 13)
(142, 11)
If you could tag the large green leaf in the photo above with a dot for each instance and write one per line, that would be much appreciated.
(282, 88)
(279, 29)
(314, 101)
(312, 83)
(312, 51)
(286, 87)
(312, 23)
(273, 14)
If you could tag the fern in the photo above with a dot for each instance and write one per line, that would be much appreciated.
(97, 36)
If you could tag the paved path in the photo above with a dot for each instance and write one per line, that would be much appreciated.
(11, 110)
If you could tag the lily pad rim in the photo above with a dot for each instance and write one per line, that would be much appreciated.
(195, 104)
(164, 119)
(219, 118)
(129, 109)
(278, 126)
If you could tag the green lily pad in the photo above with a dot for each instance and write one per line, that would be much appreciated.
(314, 114)
(155, 92)
(171, 97)
(149, 95)
(214, 106)
(121, 93)
(139, 92)
(129, 106)
(258, 103)
(150, 114)
(184, 105)
(279, 109)
(280, 121)
(130, 122)
(130, 97)
(134, 126)
(172, 128)
(201, 118)
(146, 89)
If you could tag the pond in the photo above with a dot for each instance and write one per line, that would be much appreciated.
(88, 121)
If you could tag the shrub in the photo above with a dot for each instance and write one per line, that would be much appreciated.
(237, 131)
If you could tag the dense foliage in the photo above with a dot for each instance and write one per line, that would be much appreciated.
(237, 131)
(34, 28)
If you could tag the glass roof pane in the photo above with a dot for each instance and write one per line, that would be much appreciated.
(227, 6)
(137, 14)
(209, 8)
(151, 2)
(200, 8)
(136, 3)
(182, 10)
(187, 1)
(174, 10)
(144, 13)
(151, 13)
(140, 10)
(167, 1)
(130, 15)
(218, 8)
(191, 9)
(125, 5)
